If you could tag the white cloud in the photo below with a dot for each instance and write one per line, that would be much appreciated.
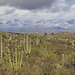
(3, 9)
(43, 15)
(39, 14)
(21, 12)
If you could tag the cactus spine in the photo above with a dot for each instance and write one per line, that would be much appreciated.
(62, 60)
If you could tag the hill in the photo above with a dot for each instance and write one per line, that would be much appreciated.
(37, 54)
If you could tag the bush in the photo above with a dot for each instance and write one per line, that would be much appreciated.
(59, 71)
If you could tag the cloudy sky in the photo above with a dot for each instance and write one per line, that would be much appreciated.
(38, 15)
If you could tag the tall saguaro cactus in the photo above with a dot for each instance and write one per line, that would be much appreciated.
(10, 58)
(21, 58)
(24, 43)
(62, 60)
(13, 60)
(28, 45)
(16, 54)
(9, 54)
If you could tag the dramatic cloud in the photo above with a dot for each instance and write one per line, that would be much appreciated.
(27, 4)
(37, 15)
(52, 5)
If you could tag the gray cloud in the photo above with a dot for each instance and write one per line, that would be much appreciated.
(27, 4)
(54, 5)
(70, 2)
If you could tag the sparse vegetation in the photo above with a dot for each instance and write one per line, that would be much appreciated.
(37, 54)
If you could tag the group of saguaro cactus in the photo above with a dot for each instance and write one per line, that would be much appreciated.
(15, 56)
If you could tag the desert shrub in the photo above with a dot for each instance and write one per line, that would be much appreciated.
(48, 63)
(70, 61)
(59, 71)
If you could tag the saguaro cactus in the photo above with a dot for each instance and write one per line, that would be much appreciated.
(62, 60)
(20, 43)
(21, 58)
(24, 43)
(13, 59)
(10, 58)
(72, 42)
(16, 54)
(9, 53)
(28, 45)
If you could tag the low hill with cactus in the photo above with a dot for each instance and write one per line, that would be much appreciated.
(37, 54)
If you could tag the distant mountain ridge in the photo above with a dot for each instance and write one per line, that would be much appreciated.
(24, 25)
